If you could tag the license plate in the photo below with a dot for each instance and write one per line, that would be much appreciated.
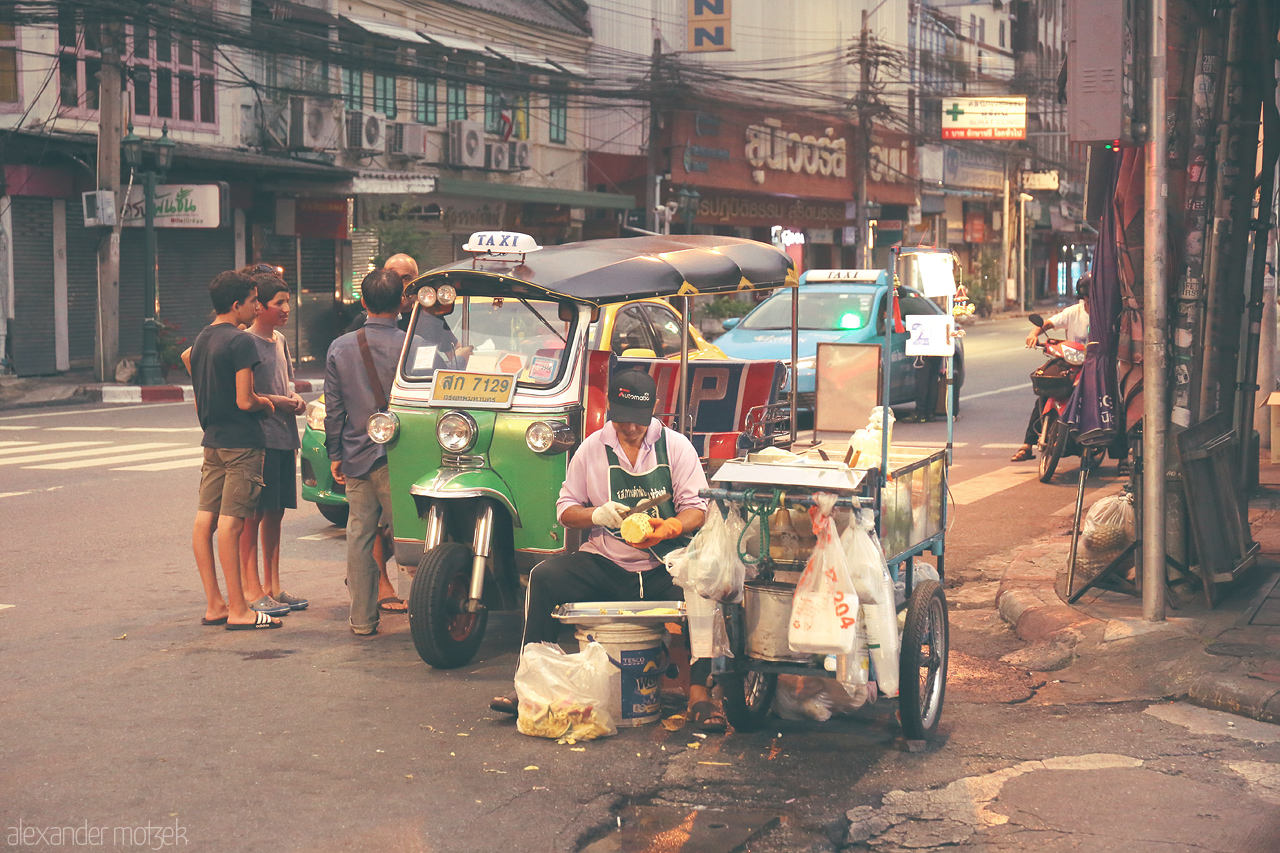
(472, 390)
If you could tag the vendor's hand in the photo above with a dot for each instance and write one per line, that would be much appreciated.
(609, 514)
(663, 529)
(1032, 339)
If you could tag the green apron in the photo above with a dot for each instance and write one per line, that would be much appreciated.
(630, 489)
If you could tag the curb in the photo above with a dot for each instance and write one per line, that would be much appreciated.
(126, 394)
(1028, 600)
(1237, 694)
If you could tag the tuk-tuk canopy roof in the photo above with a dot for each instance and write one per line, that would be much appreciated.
(618, 270)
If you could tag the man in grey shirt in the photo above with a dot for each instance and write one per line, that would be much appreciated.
(357, 461)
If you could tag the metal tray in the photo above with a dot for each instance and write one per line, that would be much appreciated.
(604, 612)
(823, 476)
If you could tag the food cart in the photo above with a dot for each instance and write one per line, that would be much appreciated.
(906, 488)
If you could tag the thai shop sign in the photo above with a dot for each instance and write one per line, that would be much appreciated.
(984, 118)
(179, 206)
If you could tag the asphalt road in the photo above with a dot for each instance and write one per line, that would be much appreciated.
(120, 712)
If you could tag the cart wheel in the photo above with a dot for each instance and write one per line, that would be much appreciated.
(444, 635)
(922, 667)
(747, 698)
(1054, 445)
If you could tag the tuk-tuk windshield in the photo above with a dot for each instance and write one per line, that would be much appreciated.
(484, 334)
(826, 310)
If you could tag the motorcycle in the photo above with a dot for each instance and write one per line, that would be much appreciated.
(1053, 383)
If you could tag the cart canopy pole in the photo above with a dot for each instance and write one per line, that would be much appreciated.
(682, 405)
(795, 354)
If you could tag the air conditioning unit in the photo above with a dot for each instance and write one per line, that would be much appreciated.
(395, 137)
(466, 144)
(495, 156)
(366, 131)
(414, 141)
(316, 124)
(518, 160)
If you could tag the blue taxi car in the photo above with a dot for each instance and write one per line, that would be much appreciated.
(846, 306)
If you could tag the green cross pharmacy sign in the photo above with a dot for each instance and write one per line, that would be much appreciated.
(984, 118)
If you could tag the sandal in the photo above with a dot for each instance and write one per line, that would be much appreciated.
(508, 704)
(386, 605)
(1023, 454)
(708, 717)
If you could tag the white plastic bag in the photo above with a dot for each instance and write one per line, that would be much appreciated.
(714, 569)
(878, 610)
(707, 635)
(564, 696)
(801, 697)
(824, 607)
(1109, 526)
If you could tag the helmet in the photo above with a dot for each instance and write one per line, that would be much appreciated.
(1083, 284)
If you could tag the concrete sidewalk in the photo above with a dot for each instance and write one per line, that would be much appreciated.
(1100, 649)
(77, 387)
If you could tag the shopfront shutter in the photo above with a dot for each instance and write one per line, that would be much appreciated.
(32, 326)
(82, 285)
(319, 320)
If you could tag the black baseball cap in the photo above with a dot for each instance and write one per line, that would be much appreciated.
(632, 396)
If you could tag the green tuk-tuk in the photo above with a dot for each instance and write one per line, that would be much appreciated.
(498, 384)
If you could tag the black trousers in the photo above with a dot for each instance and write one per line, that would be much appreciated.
(928, 378)
(1032, 436)
(590, 577)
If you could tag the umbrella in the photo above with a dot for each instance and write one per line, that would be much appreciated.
(1091, 411)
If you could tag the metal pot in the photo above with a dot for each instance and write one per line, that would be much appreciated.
(768, 612)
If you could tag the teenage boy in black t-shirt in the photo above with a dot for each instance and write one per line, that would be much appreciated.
(222, 362)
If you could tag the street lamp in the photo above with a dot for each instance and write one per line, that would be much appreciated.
(132, 146)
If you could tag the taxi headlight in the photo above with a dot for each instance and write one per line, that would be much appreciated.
(1073, 356)
(456, 432)
(427, 297)
(315, 415)
(446, 294)
(548, 437)
(383, 426)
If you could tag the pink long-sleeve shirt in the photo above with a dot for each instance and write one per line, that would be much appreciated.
(587, 484)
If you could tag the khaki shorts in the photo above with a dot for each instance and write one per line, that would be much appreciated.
(231, 481)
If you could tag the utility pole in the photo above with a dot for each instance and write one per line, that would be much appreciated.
(1155, 322)
(862, 245)
(651, 195)
(110, 132)
(1006, 225)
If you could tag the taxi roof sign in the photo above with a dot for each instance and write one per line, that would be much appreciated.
(842, 275)
(501, 243)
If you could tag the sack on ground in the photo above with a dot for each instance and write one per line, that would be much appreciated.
(564, 696)
(808, 697)
(824, 606)
(1109, 526)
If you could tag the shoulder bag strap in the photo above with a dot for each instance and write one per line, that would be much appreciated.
(379, 395)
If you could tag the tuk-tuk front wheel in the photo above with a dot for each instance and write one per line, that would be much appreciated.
(444, 633)
(747, 697)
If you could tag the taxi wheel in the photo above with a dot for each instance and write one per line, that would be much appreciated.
(444, 635)
(335, 514)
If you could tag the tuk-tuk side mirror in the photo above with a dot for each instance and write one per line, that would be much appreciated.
(639, 353)
(730, 323)
(567, 312)
(595, 313)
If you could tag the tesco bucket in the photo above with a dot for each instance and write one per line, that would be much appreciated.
(640, 655)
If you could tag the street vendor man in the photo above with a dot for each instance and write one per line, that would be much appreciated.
(632, 458)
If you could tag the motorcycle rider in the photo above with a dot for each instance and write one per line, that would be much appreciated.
(1074, 321)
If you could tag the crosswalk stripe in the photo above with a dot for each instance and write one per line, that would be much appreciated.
(13, 494)
(990, 483)
(16, 443)
(41, 456)
(60, 445)
(81, 429)
(964, 398)
(1002, 446)
(165, 466)
(104, 461)
(163, 429)
(15, 427)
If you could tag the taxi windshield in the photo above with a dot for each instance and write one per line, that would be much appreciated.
(493, 335)
(824, 310)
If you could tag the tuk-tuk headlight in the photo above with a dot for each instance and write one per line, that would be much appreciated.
(548, 437)
(446, 294)
(427, 297)
(456, 432)
(383, 426)
(315, 415)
